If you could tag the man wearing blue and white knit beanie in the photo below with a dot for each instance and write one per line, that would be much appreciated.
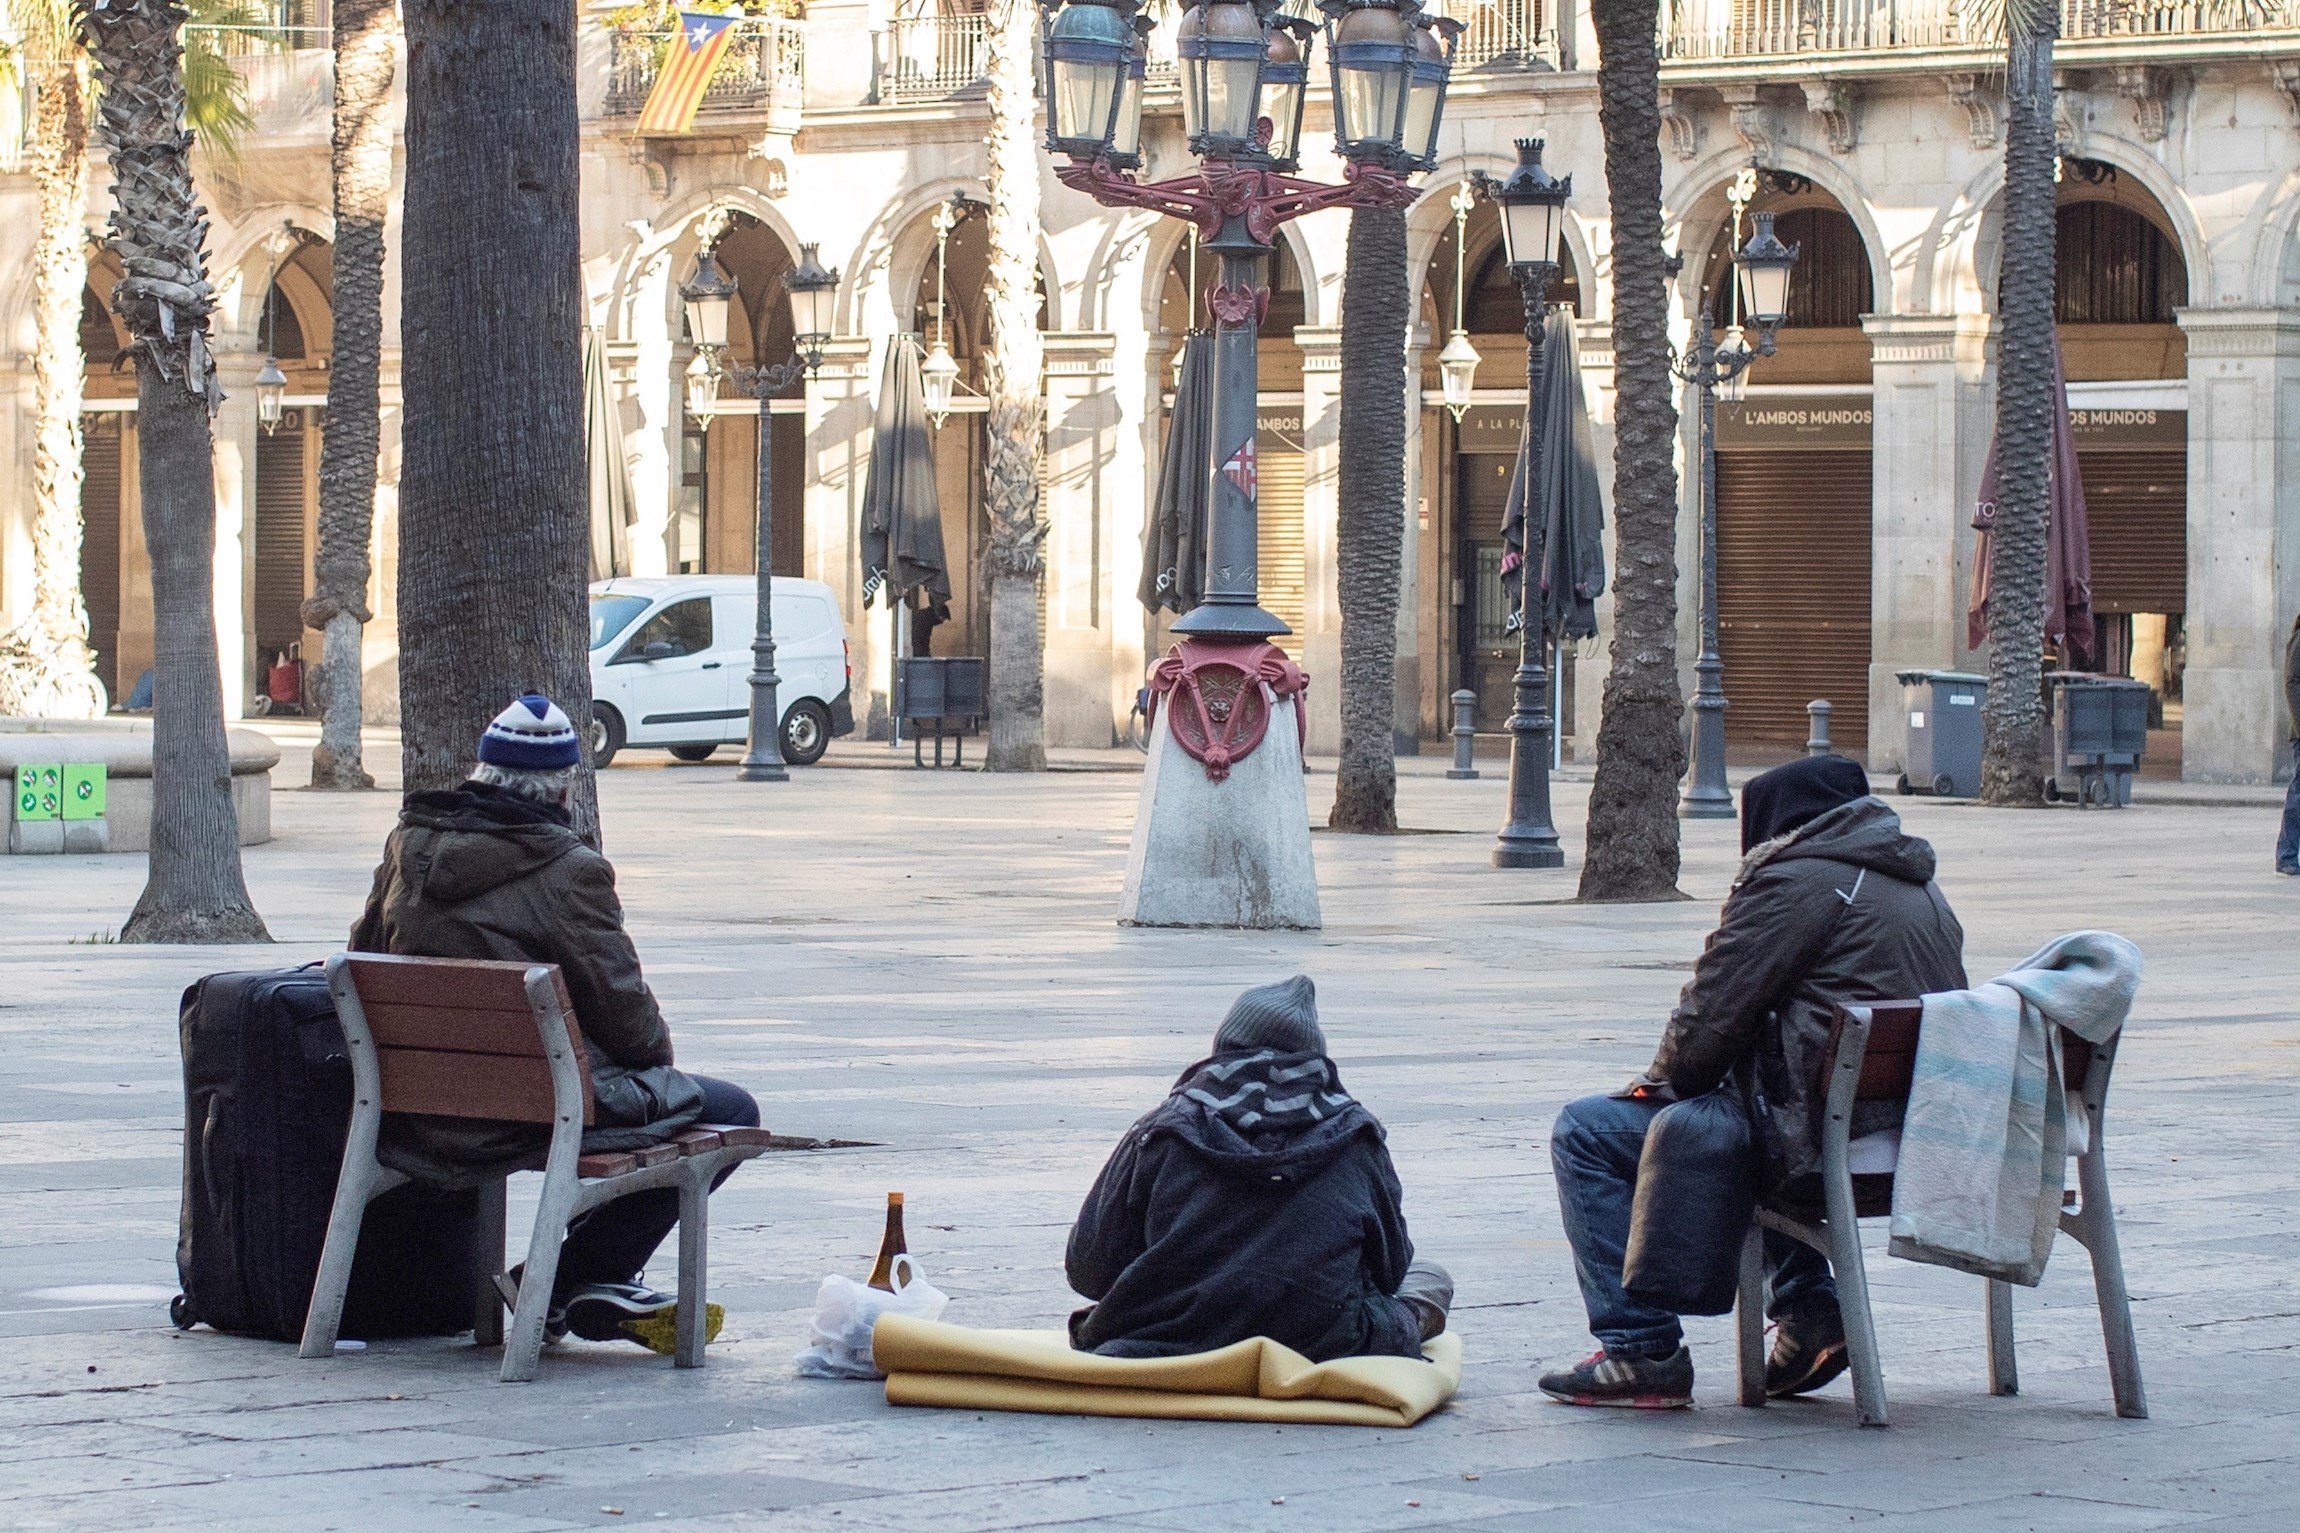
(494, 869)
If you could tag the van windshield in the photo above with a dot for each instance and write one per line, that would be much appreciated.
(610, 615)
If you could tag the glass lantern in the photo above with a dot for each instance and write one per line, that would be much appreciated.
(938, 382)
(813, 293)
(1457, 374)
(271, 394)
(708, 294)
(1088, 47)
(1371, 52)
(1764, 264)
(1532, 209)
(1223, 46)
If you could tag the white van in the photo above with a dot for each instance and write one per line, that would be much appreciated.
(671, 665)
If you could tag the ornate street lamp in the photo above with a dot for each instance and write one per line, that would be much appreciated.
(271, 393)
(1457, 362)
(1532, 218)
(1244, 70)
(709, 296)
(1762, 266)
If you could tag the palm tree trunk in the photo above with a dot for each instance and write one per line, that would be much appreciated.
(361, 169)
(46, 666)
(1632, 851)
(1016, 426)
(2012, 720)
(1375, 309)
(494, 540)
(195, 891)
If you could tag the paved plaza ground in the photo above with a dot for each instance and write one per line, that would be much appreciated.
(929, 963)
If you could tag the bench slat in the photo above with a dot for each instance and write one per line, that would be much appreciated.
(452, 1086)
(478, 983)
(453, 1028)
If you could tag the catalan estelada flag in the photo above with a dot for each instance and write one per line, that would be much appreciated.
(688, 65)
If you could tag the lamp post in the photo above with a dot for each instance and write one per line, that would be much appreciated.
(1532, 217)
(1244, 70)
(1457, 363)
(1762, 267)
(708, 295)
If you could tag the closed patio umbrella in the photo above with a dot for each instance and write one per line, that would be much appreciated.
(2067, 546)
(1570, 552)
(1174, 538)
(603, 457)
(902, 512)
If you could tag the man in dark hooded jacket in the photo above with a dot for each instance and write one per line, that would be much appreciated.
(1834, 905)
(493, 869)
(1257, 1200)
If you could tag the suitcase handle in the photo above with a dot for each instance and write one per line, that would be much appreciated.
(207, 1161)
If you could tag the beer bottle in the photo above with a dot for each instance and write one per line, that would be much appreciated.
(890, 1246)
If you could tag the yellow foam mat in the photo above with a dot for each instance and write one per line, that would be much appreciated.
(930, 1363)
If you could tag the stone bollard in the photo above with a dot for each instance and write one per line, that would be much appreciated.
(1817, 739)
(1464, 735)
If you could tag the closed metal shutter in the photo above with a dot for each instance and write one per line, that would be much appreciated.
(280, 561)
(1793, 532)
(2136, 502)
(100, 543)
(1279, 477)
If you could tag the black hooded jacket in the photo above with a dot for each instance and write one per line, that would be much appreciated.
(1257, 1200)
(1840, 911)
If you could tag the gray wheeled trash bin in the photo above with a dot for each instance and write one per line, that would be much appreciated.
(2099, 732)
(1944, 711)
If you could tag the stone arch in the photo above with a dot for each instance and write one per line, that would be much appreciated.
(1165, 246)
(244, 261)
(1698, 218)
(2164, 203)
(1431, 216)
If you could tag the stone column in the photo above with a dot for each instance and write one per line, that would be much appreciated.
(1928, 435)
(379, 640)
(656, 363)
(236, 433)
(838, 438)
(1318, 646)
(2243, 539)
(1080, 482)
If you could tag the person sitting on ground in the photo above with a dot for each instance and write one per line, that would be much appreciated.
(494, 870)
(1834, 905)
(1257, 1200)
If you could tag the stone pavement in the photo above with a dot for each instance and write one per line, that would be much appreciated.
(929, 963)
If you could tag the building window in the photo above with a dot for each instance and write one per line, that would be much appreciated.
(2115, 267)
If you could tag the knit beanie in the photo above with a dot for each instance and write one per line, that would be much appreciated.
(1777, 802)
(1283, 1016)
(531, 735)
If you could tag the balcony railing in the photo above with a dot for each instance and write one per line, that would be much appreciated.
(929, 58)
(764, 67)
(1500, 33)
(286, 70)
(1717, 29)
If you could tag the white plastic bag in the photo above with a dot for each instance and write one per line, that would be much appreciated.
(846, 1312)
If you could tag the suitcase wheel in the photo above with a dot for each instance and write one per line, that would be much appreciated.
(180, 1312)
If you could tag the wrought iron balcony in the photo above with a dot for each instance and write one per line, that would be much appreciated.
(1499, 34)
(286, 68)
(1697, 30)
(763, 70)
(929, 58)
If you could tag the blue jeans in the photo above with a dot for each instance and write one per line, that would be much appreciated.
(2288, 839)
(1594, 1149)
(611, 1243)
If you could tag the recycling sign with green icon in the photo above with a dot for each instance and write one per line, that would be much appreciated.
(82, 792)
(39, 792)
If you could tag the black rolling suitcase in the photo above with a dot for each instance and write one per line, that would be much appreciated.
(267, 1106)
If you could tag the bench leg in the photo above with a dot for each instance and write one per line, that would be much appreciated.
(2004, 1373)
(2097, 1217)
(1749, 1318)
(694, 1269)
(1853, 1300)
(359, 1181)
(523, 1350)
(487, 1304)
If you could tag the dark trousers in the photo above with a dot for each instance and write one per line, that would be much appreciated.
(611, 1244)
(2288, 838)
(1594, 1149)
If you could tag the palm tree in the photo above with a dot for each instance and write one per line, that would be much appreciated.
(195, 891)
(494, 513)
(1632, 851)
(2012, 718)
(1376, 305)
(360, 166)
(46, 665)
(1016, 423)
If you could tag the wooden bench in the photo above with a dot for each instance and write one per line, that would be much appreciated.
(461, 1038)
(1872, 1058)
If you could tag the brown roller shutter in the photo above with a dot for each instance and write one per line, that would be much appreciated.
(279, 573)
(1279, 548)
(2137, 504)
(1793, 593)
(100, 543)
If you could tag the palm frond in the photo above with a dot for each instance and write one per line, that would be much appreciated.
(215, 93)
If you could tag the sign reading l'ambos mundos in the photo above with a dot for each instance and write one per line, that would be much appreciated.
(2128, 427)
(1821, 423)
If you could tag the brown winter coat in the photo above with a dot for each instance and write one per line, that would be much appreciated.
(1843, 910)
(479, 873)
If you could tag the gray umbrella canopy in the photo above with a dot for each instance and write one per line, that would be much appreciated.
(1174, 541)
(902, 513)
(1570, 549)
(603, 456)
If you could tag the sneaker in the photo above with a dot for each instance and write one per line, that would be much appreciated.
(628, 1312)
(1640, 1383)
(1808, 1351)
(554, 1318)
(2289, 869)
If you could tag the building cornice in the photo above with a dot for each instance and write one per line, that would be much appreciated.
(2240, 332)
